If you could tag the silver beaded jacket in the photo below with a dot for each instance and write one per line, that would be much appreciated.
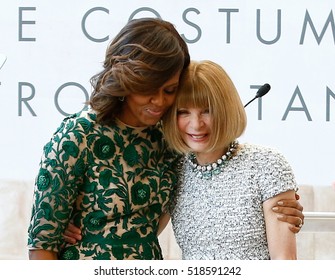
(219, 214)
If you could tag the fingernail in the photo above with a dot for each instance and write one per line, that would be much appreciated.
(280, 216)
(280, 203)
(275, 209)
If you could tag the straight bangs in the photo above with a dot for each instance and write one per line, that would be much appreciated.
(192, 93)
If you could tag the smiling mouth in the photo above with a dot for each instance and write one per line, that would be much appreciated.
(197, 137)
(155, 113)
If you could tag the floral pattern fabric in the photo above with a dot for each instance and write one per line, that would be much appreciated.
(112, 181)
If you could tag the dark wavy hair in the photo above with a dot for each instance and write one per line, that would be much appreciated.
(145, 54)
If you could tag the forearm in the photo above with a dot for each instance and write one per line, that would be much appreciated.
(163, 221)
(42, 255)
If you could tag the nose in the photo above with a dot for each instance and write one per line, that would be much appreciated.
(158, 98)
(196, 121)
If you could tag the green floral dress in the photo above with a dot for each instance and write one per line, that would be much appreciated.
(113, 182)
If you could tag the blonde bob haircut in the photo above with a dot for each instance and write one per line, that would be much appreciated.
(206, 84)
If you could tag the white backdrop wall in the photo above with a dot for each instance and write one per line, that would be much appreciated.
(54, 47)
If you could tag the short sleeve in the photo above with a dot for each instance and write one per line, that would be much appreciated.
(276, 175)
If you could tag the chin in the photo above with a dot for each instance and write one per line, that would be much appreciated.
(150, 122)
(197, 149)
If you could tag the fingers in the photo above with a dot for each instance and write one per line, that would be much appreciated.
(290, 214)
(295, 222)
(297, 197)
(73, 229)
(69, 239)
(72, 234)
(292, 203)
(290, 211)
(294, 229)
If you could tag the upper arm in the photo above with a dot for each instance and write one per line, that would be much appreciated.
(281, 241)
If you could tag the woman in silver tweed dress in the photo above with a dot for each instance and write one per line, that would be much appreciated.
(222, 206)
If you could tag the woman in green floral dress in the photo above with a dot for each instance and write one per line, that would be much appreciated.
(107, 168)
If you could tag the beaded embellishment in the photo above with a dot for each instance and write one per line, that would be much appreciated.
(215, 168)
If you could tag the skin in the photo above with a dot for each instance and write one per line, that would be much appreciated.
(144, 110)
(286, 212)
(281, 241)
(194, 126)
(42, 255)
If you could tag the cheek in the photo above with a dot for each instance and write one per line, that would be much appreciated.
(130, 102)
(207, 120)
(136, 100)
(180, 124)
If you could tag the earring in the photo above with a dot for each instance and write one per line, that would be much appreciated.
(121, 98)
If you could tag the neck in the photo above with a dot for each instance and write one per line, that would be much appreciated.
(206, 165)
(204, 158)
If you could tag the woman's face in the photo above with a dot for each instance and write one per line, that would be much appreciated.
(194, 125)
(144, 110)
